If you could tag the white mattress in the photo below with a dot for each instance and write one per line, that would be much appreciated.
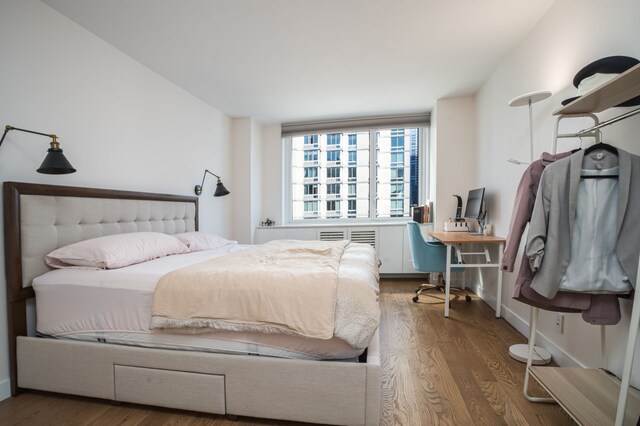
(114, 306)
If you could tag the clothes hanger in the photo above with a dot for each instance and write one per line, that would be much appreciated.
(606, 147)
(601, 145)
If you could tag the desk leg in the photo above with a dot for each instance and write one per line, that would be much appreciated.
(447, 286)
(499, 295)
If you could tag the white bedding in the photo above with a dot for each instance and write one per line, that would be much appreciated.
(115, 305)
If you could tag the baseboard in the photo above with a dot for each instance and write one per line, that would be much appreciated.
(5, 389)
(559, 355)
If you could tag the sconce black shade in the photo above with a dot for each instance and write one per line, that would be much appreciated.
(55, 163)
(220, 188)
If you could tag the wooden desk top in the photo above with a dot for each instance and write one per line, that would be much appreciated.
(463, 237)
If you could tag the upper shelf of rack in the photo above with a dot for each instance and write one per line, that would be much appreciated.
(622, 88)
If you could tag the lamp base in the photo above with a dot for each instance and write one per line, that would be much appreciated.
(520, 352)
(198, 189)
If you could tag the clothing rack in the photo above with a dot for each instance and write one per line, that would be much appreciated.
(608, 122)
(583, 133)
(565, 385)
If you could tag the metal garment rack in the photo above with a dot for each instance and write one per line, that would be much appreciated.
(624, 87)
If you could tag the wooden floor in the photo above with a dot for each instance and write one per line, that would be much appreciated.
(435, 371)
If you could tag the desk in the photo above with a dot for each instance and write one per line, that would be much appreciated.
(456, 239)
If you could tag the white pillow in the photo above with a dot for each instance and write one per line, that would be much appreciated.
(115, 251)
(197, 241)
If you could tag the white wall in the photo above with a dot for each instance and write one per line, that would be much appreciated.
(571, 35)
(454, 131)
(120, 125)
(247, 176)
(272, 174)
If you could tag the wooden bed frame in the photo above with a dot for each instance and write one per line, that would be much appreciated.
(327, 392)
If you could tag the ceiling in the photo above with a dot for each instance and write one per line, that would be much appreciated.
(299, 60)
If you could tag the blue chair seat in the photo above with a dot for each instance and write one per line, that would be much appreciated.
(429, 257)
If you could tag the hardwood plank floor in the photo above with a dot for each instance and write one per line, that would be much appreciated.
(435, 371)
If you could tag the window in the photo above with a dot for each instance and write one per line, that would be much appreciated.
(353, 158)
(385, 173)
(397, 159)
(333, 140)
(333, 188)
(311, 190)
(351, 208)
(333, 207)
(333, 156)
(311, 155)
(333, 172)
(310, 210)
(397, 190)
(397, 208)
(397, 139)
(397, 174)
(310, 172)
(352, 173)
(352, 190)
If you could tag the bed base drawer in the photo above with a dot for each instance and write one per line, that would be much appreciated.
(172, 389)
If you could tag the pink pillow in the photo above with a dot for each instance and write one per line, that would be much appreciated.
(197, 241)
(115, 251)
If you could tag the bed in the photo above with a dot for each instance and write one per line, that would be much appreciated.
(215, 375)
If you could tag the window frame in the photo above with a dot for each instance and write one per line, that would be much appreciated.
(424, 168)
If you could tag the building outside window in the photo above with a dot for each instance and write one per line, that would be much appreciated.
(383, 173)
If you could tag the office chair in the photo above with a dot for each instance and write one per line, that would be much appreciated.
(430, 257)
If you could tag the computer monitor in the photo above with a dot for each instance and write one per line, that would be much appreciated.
(475, 200)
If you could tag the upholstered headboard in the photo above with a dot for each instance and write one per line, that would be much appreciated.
(40, 218)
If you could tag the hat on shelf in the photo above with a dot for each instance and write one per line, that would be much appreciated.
(601, 71)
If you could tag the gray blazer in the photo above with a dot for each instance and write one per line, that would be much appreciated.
(551, 228)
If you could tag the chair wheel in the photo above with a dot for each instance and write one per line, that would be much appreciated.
(415, 299)
(467, 298)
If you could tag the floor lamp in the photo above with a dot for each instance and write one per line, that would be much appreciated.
(528, 99)
(520, 352)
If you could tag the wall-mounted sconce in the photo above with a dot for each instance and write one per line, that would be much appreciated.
(55, 163)
(220, 189)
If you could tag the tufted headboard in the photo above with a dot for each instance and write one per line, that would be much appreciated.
(40, 218)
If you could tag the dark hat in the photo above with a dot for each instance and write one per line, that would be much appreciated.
(601, 71)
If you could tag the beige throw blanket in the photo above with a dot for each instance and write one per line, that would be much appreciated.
(284, 286)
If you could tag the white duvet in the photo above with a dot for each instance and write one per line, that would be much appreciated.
(356, 317)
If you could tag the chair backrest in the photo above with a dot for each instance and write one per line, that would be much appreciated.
(426, 256)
